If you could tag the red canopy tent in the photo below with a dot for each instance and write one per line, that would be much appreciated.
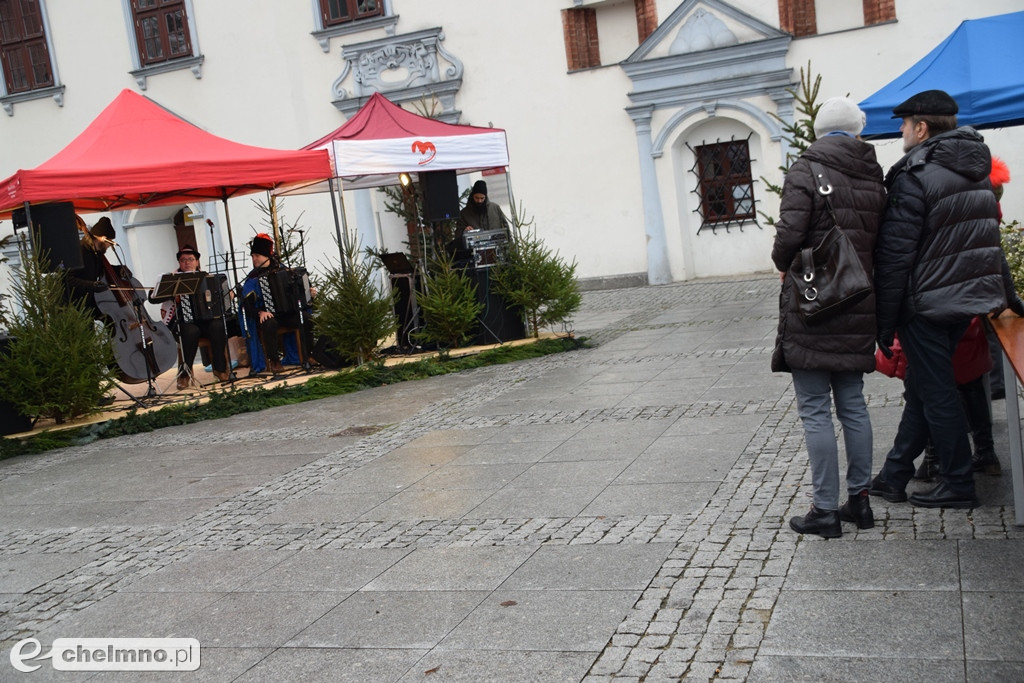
(136, 153)
(382, 140)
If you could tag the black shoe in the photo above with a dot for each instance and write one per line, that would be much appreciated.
(858, 510)
(942, 497)
(824, 523)
(998, 394)
(890, 493)
(986, 463)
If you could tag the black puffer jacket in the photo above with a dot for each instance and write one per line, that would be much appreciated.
(847, 341)
(938, 253)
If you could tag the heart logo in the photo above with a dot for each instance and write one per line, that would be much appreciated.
(423, 149)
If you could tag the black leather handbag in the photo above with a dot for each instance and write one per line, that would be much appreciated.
(828, 278)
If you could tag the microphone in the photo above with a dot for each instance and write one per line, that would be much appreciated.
(108, 241)
(209, 222)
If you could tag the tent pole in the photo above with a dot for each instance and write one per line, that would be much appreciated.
(231, 241)
(337, 223)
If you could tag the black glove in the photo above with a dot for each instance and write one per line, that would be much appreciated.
(884, 341)
(1017, 306)
(99, 286)
(124, 273)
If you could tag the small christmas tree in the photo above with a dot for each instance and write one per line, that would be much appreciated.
(56, 364)
(448, 304)
(799, 133)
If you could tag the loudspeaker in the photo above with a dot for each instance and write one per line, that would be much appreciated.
(406, 311)
(11, 419)
(440, 195)
(54, 234)
(497, 322)
(326, 354)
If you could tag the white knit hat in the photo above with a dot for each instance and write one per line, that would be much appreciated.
(839, 113)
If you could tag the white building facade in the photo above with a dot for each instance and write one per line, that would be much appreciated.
(640, 132)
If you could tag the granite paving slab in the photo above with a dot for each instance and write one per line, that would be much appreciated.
(614, 513)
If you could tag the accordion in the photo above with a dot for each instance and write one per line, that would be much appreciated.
(211, 300)
(285, 290)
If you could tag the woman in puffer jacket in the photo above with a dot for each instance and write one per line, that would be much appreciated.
(828, 360)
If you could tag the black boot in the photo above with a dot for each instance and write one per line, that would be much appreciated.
(858, 510)
(890, 493)
(929, 467)
(986, 462)
(979, 419)
(824, 523)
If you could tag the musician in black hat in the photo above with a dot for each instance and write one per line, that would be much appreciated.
(82, 284)
(189, 328)
(263, 314)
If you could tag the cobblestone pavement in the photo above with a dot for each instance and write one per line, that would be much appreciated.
(727, 593)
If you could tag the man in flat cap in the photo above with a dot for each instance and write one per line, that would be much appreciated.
(938, 263)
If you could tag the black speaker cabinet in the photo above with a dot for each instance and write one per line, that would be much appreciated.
(406, 310)
(326, 354)
(440, 195)
(54, 234)
(497, 322)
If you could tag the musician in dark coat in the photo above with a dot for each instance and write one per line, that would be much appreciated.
(189, 332)
(261, 312)
(81, 284)
(480, 213)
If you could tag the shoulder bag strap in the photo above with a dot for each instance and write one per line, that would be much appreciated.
(824, 189)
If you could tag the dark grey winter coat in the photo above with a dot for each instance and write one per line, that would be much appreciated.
(939, 254)
(847, 341)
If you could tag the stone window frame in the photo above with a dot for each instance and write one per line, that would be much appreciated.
(192, 60)
(323, 32)
(53, 88)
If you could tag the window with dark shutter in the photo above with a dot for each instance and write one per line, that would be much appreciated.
(336, 12)
(161, 30)
(24, 54)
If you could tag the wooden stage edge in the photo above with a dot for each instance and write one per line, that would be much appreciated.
(166, 392)
(1010, 330)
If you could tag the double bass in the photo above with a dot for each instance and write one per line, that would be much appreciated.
(143, 348)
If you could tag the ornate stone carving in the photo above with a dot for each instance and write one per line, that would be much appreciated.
(702, 31)
(398, 64)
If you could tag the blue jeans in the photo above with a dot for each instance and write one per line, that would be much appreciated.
(932, 407)
(814, 392)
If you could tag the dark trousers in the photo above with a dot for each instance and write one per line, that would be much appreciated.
(268, 334)
(191, 333)
(932, 407)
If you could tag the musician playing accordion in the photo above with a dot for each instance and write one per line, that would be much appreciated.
(268, 306)
(189, 325)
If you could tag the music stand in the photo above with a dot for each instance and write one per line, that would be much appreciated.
(176, 284)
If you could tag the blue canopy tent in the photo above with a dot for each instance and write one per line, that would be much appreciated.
(981, 64)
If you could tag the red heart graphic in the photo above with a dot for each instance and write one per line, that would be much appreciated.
(424, 148)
